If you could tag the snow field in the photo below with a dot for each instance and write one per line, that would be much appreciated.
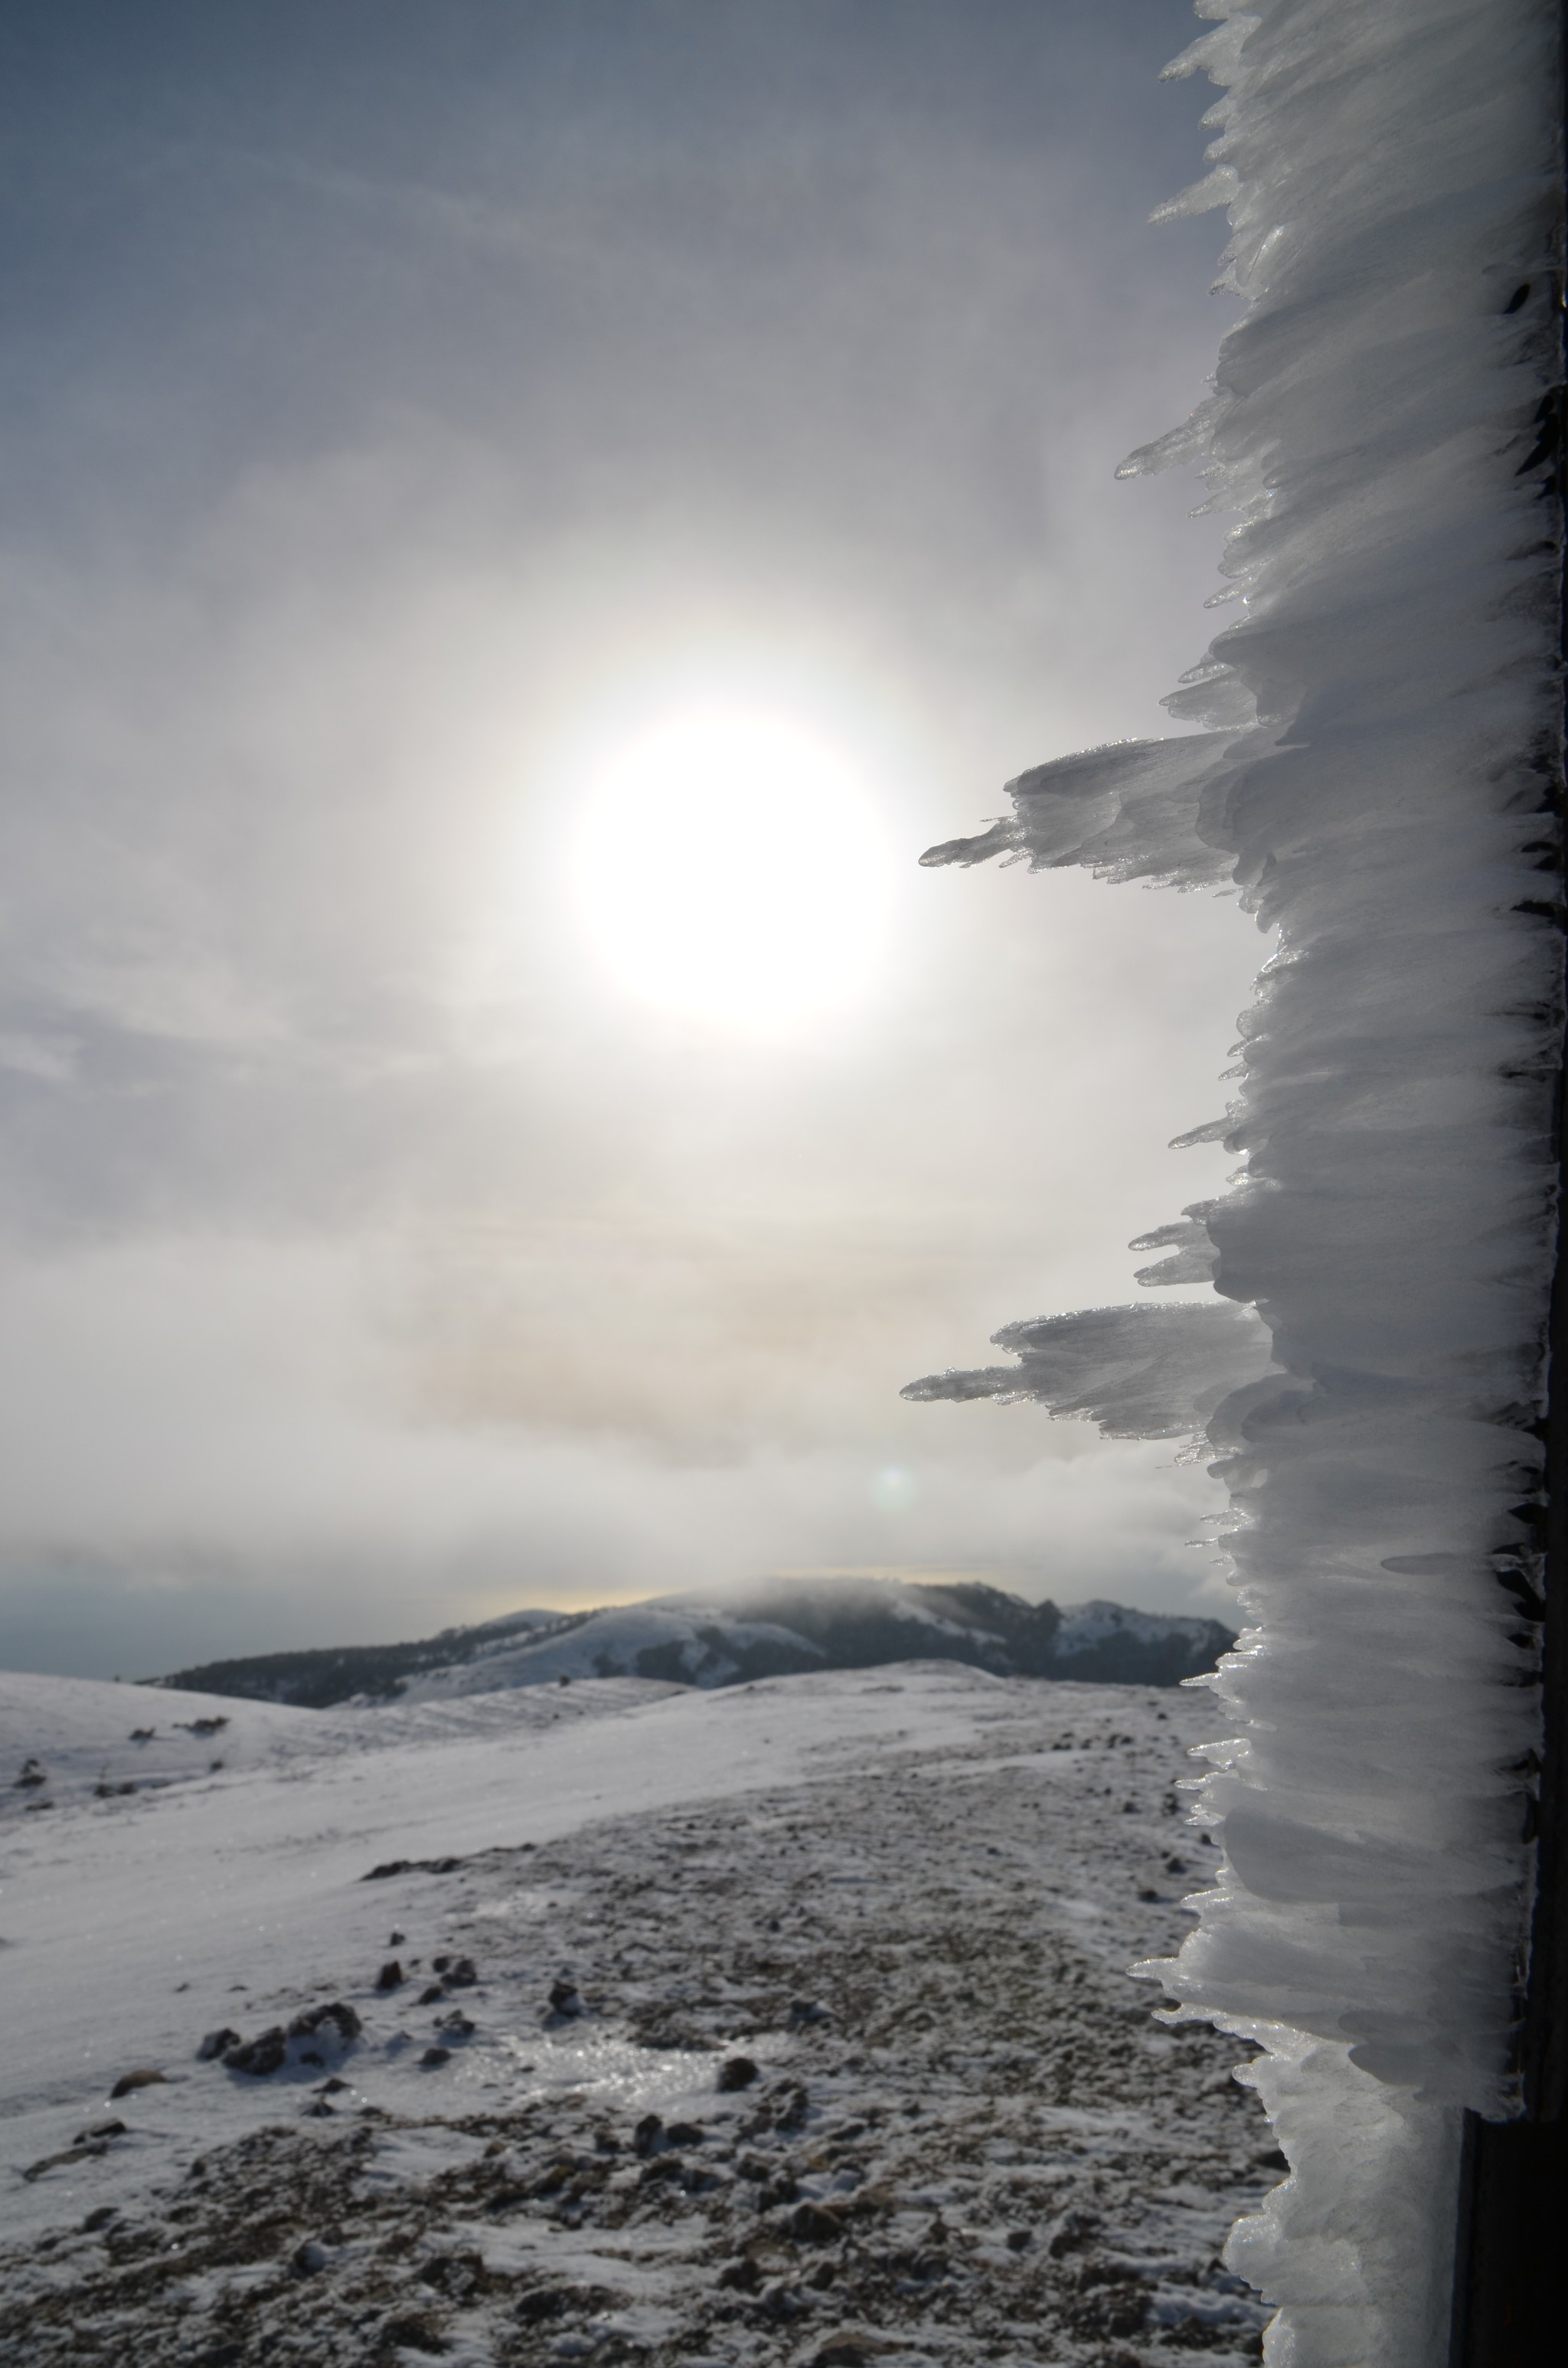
(905, 1896)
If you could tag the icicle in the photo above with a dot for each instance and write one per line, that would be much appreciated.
(1139, 1372)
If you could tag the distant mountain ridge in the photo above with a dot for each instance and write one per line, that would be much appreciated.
(771, 1629)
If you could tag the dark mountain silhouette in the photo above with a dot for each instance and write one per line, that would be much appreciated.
(773, 1628)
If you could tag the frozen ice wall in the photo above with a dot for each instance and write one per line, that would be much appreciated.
(1377, 772)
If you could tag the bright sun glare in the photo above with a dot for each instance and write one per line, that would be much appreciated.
(730, 867)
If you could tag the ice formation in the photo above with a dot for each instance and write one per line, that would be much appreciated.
(1378, 775)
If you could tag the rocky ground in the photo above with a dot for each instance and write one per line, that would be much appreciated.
(844, 2071)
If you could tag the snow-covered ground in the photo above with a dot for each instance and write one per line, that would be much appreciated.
(907, 1898)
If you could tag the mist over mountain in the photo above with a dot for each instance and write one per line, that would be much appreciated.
(773, 1629)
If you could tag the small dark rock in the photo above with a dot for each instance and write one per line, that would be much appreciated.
(455, 2024)
(99, 2219)
(1019, 2241)
(87, 2142)
(396, 1940)
(439, 1965)
(1146, 1892)
(388, 1866)
(458, 2274)
(1072, 2232)
(433, 1996)
(410, 2332)
(435, 2057)
(790, 2106)
(390, 1975)
(1175, 1865)
(261, 2055)
(332, 2088)
(78, 2152)
(128, 2082)
(337, 2017)
(308, 2259)
(543, 2303)
(813, 2224)
(736, 2072)
(685, 2133)
(648, 2136)
(320, 2109)
(565, 1997)
(742, 2276)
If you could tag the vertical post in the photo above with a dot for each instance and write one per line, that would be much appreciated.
(1511, 2263)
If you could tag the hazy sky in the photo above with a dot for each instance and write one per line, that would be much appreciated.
(409, 408)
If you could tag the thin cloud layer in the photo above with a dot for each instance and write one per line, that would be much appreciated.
(429, 411)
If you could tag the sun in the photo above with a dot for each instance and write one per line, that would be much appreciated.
(730, 867)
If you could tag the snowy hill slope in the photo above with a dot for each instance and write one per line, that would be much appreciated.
(770, 1629)
(88, 1741)
(547, 1925)
(316, 1678)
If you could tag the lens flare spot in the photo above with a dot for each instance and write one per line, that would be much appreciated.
(893, 1490)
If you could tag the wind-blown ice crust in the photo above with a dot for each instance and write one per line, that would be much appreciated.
(1377, 778)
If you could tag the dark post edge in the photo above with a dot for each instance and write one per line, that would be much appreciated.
(1510, 2291)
